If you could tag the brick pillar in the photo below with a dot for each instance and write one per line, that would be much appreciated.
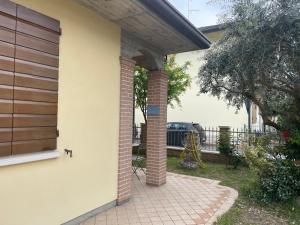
(224, 129)
(156, 128)
(125, 130)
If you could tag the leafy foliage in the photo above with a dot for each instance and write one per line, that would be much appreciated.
(179, 81)
(280, 182)
(293, 138)
(140, 89)
(224, 144)
(226, 148)
(258, 58)
(279, 178)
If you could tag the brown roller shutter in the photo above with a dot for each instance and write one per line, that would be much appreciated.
(29, 57)
(8, 23)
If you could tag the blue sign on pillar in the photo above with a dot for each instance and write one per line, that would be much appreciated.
(153, 110)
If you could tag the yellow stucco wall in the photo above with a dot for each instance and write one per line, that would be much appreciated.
(205, 109)
(54, 191)
(214, 36)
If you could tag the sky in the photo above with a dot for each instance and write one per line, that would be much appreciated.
(202, 12)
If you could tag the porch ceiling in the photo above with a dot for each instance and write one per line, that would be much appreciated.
(154, 21)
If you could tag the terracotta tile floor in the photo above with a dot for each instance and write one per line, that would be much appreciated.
(183, 200)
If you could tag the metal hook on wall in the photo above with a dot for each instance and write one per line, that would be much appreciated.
(67, 151)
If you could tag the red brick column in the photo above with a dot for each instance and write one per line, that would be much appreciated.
(156, 128)
(125, 130)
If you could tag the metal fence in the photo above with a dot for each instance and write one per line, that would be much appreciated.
(136, 135)
(208, 139)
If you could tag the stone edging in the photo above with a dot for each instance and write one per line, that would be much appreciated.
(230, 200)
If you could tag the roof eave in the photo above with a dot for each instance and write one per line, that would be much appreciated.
(164, 10)
(213, 28)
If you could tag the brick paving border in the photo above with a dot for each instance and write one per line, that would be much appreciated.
(225, 206)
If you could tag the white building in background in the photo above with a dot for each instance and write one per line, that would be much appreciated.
(257, 123)
(204, 109)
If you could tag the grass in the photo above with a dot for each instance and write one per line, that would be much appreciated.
(245, 211)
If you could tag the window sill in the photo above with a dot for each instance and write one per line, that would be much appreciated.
(27, 158)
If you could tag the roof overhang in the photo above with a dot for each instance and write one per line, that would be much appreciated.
(213, 28)
(156, 22)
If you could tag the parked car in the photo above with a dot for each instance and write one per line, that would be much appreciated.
(176, 133)
(201, 131)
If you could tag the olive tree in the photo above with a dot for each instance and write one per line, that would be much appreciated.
(258, 59)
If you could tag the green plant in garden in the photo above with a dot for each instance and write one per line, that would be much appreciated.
(226, 148)
(292, 138)
(278, 177)
(224, 144)
(256, 153)
(179, 81)
(295, 137)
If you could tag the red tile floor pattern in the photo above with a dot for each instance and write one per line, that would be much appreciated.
(184, 200)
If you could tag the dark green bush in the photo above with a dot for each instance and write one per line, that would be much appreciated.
(280, 182)
(226, 148)
(224, 143)
(293, 137)
(293, 145)
(278, 176)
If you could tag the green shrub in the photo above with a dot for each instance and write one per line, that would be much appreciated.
(226, 148)
(224, 143)
(280, 182)
(292, 131)
(278, 177)
(293, 145)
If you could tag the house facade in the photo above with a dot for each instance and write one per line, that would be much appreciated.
(66, 92)
(204, 109)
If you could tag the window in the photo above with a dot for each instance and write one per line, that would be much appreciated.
(29, 58)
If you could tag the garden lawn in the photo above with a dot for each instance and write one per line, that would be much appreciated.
(245, 211)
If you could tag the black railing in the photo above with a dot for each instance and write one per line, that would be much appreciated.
(208, 138)
(176, 138)
(136, 135)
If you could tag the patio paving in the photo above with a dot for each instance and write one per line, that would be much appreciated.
(183, 200)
